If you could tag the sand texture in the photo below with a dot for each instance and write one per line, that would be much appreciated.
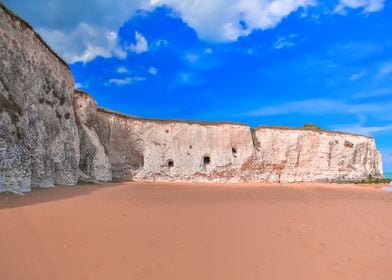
(197, 231)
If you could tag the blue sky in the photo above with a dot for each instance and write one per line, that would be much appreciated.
(282, 62)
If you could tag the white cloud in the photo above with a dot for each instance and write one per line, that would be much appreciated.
(84, 43)
(368, 6)
(153, 71)
(141, 44)
(126, 81)
(79, 30)
(80, 85)
(83, 30)
(227, 20)
(208, 51)
(283, 42)
(161, 43)
(122, 69)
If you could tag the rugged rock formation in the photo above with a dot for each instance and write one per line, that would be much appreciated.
(160, 150)
(94, 161)
(173, 151)
(294, 155)
(39, 139)
(39, 144)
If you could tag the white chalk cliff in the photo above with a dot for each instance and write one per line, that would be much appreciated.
(50, 134)
(164, 150)
(39, 143)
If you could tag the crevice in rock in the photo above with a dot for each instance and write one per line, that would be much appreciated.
(255, 141)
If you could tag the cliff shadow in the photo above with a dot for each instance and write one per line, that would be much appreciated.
(41, 195)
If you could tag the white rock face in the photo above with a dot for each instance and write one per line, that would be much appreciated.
(157, 150)
(39, 139)
(290, 155)
(94, 161)
(39, 143)
(186, 151)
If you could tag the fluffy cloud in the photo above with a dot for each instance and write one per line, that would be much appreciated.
(368, 6)
(78, 30)
(227, 20)
(141, 44)
(83, 30)
(83, 43)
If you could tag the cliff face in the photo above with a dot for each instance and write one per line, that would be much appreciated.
(174, 151)
(41, 142)
(303, 155)
(224, 152)
(94, 161)
(38, 135)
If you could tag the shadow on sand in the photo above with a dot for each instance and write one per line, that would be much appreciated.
(40, 195)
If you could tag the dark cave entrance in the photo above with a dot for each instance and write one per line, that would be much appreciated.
(234, 152)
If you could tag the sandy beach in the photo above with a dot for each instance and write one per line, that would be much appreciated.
(197, 231)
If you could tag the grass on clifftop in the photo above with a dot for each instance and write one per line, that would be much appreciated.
(8, 10)
(311, 126)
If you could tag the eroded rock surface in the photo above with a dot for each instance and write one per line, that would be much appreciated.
(157, 150)
(295, 155)
(94, 161)
(39, 144)
(39, 137)
(174, 151)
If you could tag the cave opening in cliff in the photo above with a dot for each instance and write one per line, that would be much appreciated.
(234, 152)
(206, 160)
(170, 163)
